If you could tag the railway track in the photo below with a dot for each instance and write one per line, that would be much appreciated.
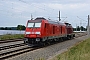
(80, 34)
(11, 46)
(10, 50)
(12, 40)
(13, 50)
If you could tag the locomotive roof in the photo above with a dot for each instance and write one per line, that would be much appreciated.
(56, 22)
(67, 24)
(39, 19)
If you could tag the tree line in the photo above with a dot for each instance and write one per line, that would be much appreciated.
(19, 27)
(80, 28)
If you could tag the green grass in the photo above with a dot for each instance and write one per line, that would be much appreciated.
(11, 36)
(80, 51)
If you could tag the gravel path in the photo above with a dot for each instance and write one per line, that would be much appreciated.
(48, 52)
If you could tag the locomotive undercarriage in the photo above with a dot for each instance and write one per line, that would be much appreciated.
(32, 40)
(46, 40)
(70, 36)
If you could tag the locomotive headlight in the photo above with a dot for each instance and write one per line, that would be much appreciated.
(37, 39)
(37, 33)
(27, 32)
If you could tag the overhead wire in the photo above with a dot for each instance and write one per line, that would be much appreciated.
(38, 7)
(44, 8)
(10, 9)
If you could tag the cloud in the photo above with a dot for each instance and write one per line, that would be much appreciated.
(56, 1)
(67, 6)
(19, 11)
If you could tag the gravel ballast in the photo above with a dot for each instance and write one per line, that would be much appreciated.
(48, 52)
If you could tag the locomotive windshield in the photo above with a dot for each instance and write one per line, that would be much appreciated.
(34, 25)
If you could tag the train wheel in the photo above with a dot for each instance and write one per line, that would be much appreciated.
(61, 39)
(72, 36)
(69, 37)
(24, 42)
(48, 43)
(42, 44)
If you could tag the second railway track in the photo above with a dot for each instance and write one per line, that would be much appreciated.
(11, 46)
(12, 40)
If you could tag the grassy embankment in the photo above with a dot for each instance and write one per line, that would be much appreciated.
(11, 36)
(80, 51)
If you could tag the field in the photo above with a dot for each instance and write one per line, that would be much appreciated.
(11, 36)
(81, 51)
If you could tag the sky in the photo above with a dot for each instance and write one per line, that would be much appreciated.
(17, 12)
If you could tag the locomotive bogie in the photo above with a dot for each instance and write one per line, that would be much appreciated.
(32, 40)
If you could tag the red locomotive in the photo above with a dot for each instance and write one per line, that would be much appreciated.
(40, 30)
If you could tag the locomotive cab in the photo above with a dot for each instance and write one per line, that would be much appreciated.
(33, 31)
